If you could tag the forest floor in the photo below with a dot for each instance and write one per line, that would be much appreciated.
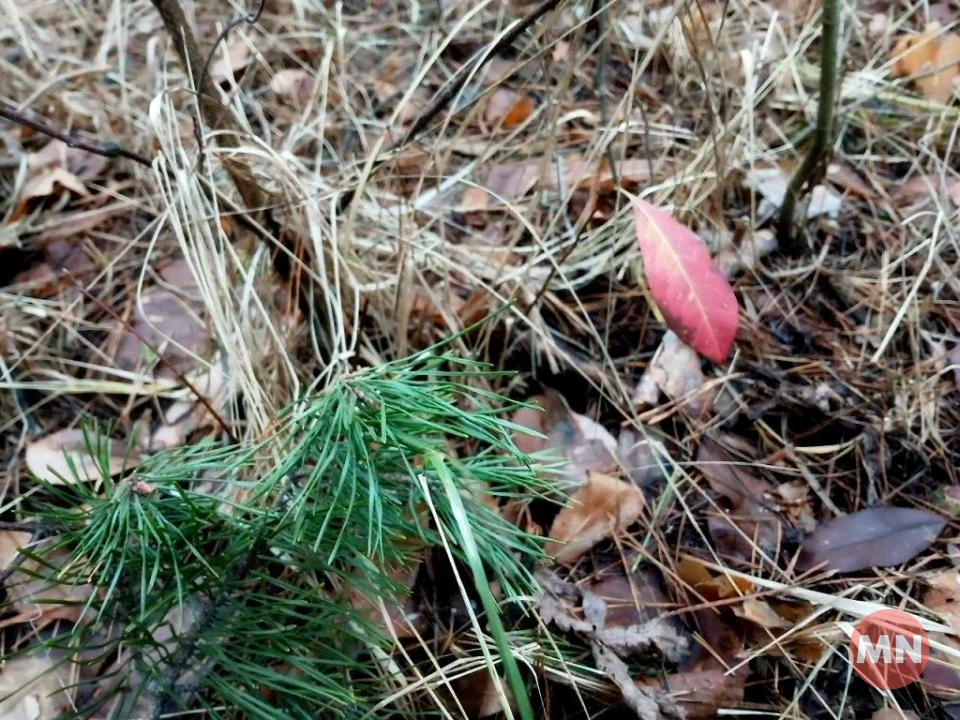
(377, 176)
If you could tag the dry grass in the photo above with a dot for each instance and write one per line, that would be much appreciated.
(845, 363)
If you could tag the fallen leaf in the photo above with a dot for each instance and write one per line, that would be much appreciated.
(171, 325)
(585, 444)
(596, 511)
(760, 613)
(77, 162)
(699, 694)
(627, 639)
(745, 492)
(796, 505)
(639, 458)
(49, 181)
(647, 702)
(477, 694)
(10, 543)
(694, 297)
(943, 597)
(405, 620)
(185, 416)
(849, 179)
(631, 601)
(875, 537)
(772, 184)
(931, 59)
(941, 677)
(753, 247)
(237, 58)
(35, 688)
(920, 190)
(63, 457)
(508, 109)
(894, 714)
(675, 369)
(43, 593)
(511, 181)
(293, 85)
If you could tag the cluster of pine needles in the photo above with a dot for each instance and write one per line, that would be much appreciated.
(240, 579)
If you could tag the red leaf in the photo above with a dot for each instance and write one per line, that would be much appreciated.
(695, 298)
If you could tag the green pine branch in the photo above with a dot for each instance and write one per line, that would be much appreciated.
(224, 574)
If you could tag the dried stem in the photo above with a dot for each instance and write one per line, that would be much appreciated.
(829, 70)
(107, 149)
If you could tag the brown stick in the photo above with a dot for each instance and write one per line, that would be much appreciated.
(195, 63)
(105, 149)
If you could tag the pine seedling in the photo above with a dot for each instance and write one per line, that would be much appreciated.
(224, 576)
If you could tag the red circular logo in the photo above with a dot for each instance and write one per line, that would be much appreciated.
(889, 649)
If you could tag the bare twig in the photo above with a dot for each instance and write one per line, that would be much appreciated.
(447, 96)
(250, 19)
(195, 63)
(107, 149)
(829, 67)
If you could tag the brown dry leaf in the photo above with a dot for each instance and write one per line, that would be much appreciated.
(238, 57)
(42, 593)
(796, 504)
(597, 510)
(746, 493)
(404, 619)
(477, 693)
(639, 458)
(171, 325)
(700, 693)
(631, 601)
(710, 587)
(646, 701)
(77, 162)
(583, 443)
(68, 224)
(35, 688)
(10, 543)
(941, 677)
(185, 416)
(849, 179)
(675, 369)
(932, 58)
(772, 183)
(48, 182)
(508, 109)
(760, 613)
(754, 246)
(511, 181)
(921, 190)
(943, 597)
(894, 714)
(293, 85)
(63, 457)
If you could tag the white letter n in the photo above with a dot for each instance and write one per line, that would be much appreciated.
(866, 649)
(914, 650)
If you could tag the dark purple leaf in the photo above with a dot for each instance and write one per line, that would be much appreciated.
(875, 537)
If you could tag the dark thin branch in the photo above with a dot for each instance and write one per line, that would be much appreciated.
(108, 149)
(823, 132)
(447, 96)
(180, 376)
(250, 19)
